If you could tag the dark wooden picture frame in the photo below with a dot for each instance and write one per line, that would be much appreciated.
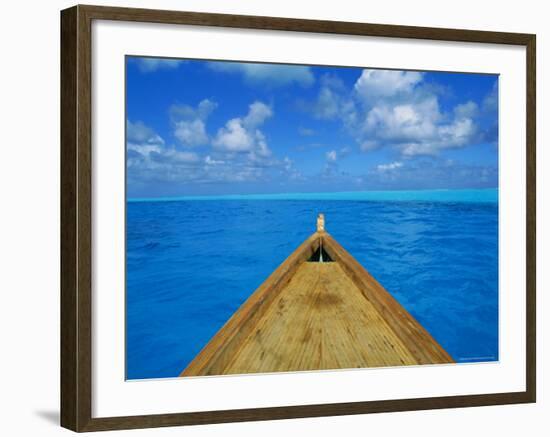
(76, 217)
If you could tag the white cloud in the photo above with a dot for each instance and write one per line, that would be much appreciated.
(287, 163)
(456, 134)
(144, 149)
(157, 153)
(148, 157)
(267, 74)
(190, 123)
(138, 132)
(396, 109)
(331, 169)
(430, 172)
(289, 170)
(150, 65)
(417, 149)
(335, 155)
(330, 100)
(202, 111)
(409, 122)
(174, 156)
(327, 104)
(234, 137)
(368, 145)
(242, 134)
(191, 133)
(210, 161)
(386, 83)
(332, 156)
(490, 102)
(258, 112)
(345, 151)
(388, 167)
(466, 110)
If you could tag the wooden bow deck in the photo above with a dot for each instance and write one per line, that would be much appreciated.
(314, 316)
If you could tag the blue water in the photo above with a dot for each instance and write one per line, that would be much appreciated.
(191, 264)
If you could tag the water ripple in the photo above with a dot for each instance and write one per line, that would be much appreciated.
(191, 264)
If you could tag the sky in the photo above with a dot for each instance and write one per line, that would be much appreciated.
(215, 127)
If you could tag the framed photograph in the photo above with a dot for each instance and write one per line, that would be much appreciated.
(268, 218)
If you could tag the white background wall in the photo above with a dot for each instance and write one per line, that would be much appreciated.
(29, 219)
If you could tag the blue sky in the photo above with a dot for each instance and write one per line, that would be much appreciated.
(215, 127)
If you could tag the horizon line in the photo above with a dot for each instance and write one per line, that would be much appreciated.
(344, 195)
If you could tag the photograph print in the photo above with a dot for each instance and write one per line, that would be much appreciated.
(286, 218)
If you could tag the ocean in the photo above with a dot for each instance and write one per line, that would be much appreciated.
(192, 261)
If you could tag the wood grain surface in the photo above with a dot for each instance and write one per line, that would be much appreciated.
(331, 315)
